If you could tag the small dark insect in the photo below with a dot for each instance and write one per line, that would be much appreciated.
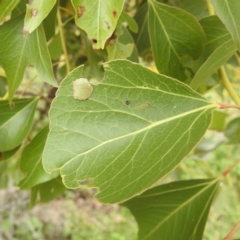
(94, 40)
(127, 102)
(81, 10)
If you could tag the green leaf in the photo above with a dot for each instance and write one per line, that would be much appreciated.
(117, 49)
(21, 8)
(141, 38)
(8, 154)
(98, 19)
(174, 34)
(132, 24)
(197, 8)
(15, 122)
(3, 84)
(49, 23)
(3, 175)
(31, 162)
(37, 10)
(18, 51)
(219, 48)
(134, 129)
(218, 120)
(6, 6)
(233, 131)
(177, 210)
(228, 12)
(47, 191)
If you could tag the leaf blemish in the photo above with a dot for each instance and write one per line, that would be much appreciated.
(82, 89)
(81, 10)
(94, 41)
(143, 106)
(85, 182)
(108, 26)
(34, 13)
(114, 13)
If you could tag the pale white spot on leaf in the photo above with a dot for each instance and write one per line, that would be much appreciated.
(82, 89)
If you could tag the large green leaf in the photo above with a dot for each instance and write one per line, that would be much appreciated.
(18, 51)
(135, 128)
(176, 210)
(31, 162)
(228, 11)
(37, 10)
(98, 18)
(174, 34)
(219, 48)
(15, 122)
(6, 6)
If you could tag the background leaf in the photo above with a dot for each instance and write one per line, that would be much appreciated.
(15, 122)
(233, 131)
(102, 142)
(18, 51)
(47, 191)
(98, 18)
(37, 10)
(31, 162)
(197, 8)
(177, 210)
(6, 6)
(8, 154)
(219, 48)
(228, 12)
(174, 34)
(141, 38)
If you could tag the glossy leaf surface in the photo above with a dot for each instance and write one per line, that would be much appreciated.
(177, 210)
(219, 48)
(98, 18)
(15, 122)
(228, 11)
(31, 162)
(18, 51)
(174, 34)
(37, 10)
(126, 135)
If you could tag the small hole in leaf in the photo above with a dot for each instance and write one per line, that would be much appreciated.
(81, 10)
(94, 41)
(115, 13)
(127, 102)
